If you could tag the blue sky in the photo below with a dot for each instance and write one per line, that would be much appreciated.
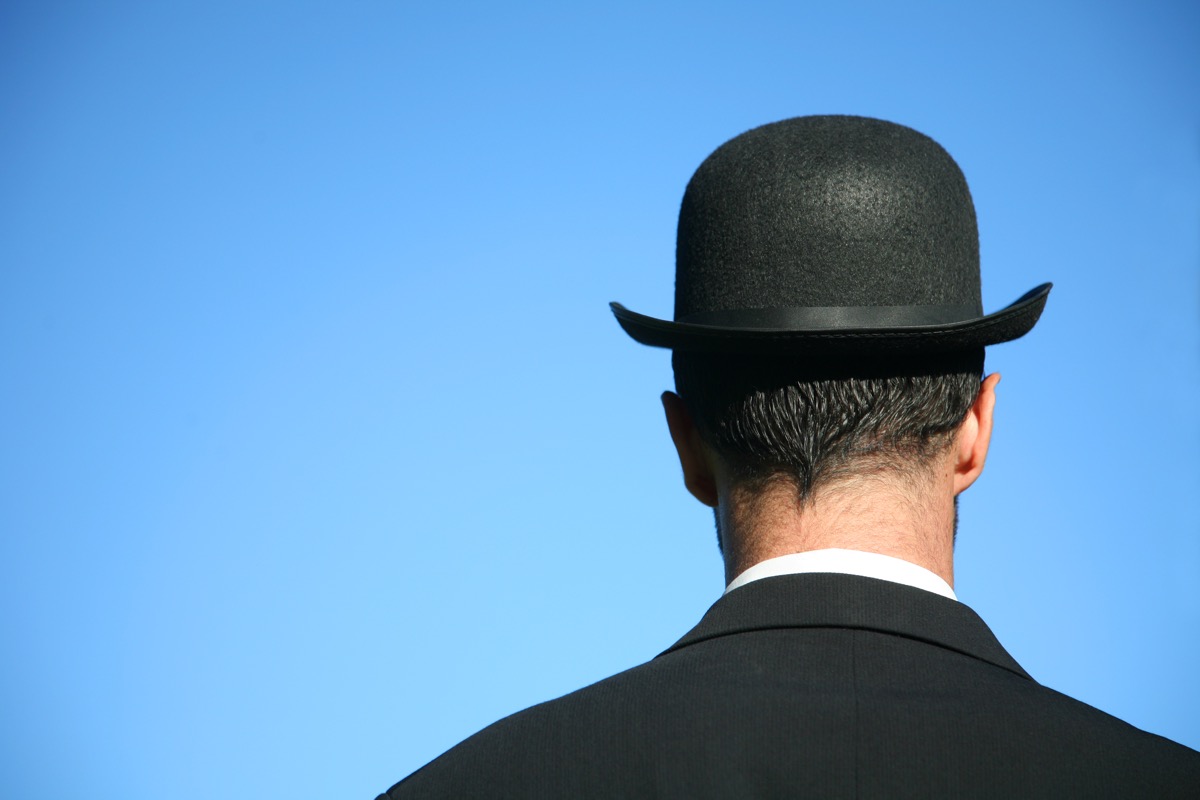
(321, 449)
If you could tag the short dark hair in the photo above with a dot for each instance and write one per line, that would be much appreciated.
(816, 422)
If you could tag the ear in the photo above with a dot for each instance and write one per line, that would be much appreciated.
(694, 458)
(975, 435)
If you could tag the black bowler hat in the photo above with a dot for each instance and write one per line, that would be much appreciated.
(830, 235)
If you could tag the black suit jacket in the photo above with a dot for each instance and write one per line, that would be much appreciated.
(817, 685)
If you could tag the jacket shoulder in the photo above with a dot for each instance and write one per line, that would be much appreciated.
(541, 748)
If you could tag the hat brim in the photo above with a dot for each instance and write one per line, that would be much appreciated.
(1011, 322)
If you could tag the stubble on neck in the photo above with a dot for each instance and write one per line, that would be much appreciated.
(906, 515)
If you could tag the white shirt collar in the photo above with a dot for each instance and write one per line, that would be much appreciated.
(847, 562)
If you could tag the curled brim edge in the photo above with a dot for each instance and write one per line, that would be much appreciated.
(1011, 322)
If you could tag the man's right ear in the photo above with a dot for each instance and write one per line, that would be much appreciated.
(974, 435)
(694, 456)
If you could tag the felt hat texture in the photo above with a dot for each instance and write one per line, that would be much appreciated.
(830, 235)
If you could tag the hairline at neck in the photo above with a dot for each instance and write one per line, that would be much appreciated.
(907, 514)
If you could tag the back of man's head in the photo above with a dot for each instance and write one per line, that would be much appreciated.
(815, 424)
(828, 327)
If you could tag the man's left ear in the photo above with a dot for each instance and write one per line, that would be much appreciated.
(698, 474)
(975, 435)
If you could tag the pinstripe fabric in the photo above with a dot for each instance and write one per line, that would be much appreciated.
(816, 685)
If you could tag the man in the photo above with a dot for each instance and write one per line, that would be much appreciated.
(828, 354)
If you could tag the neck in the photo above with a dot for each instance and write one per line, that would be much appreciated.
(904, 517)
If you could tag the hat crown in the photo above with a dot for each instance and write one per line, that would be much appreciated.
(827, 211)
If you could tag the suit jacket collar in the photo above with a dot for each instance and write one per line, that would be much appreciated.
(821, 600)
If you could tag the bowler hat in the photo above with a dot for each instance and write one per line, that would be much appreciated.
(830, 235)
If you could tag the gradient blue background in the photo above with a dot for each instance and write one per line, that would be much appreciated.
(320, 449)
